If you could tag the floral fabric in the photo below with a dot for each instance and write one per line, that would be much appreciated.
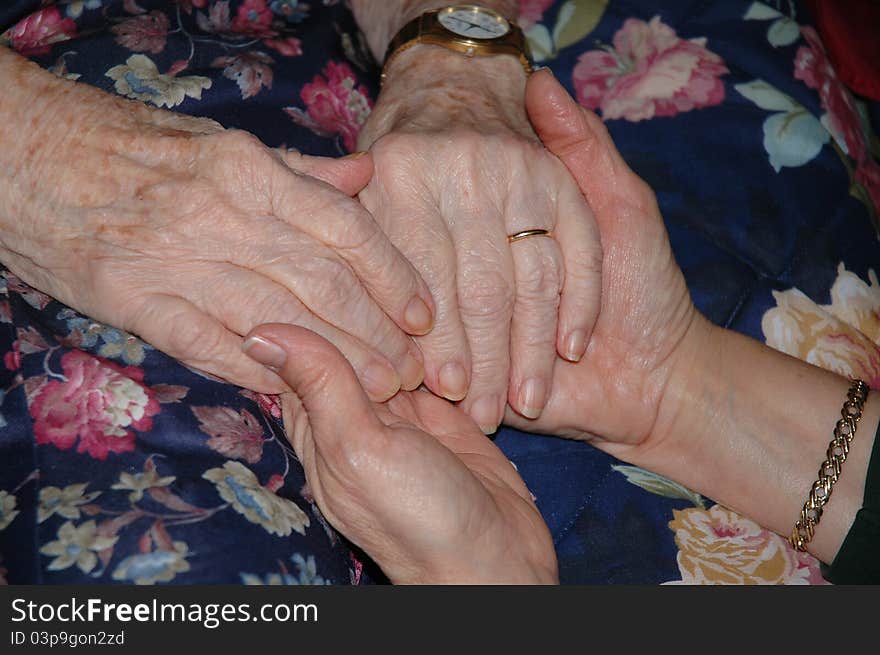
(118, 464)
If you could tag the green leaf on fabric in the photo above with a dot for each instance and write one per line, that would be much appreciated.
(783, 32)
(766, 96)
(793, 138)
(540, 43)
(657, 484)
(760, 11)
(576, 19)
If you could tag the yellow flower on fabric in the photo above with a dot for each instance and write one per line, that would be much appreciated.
(7, 509)
(64, 502)
(156, 566)
(238, 486)
(842, 337)
(140, 482)
(76, 545)
(139, 79)
(718, 546)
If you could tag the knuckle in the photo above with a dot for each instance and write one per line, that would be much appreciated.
(331, 283)
(489, 371)
(358, 231)
(276, 306)
(238, 141)
(540, 282)
(587, 262)
(188, 341)
(238, 156)
(642, 194)
(486, 295)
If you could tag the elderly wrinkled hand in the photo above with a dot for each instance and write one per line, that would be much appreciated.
(457, 171)
(416, 485)
(189, 235)
(647, 325)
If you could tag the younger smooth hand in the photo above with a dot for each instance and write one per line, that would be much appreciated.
(413, 482)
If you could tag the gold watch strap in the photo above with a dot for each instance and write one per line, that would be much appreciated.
(414, 32)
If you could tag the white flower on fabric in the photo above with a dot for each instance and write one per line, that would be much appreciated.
(719, 547)
(140, 482)
(64, 502)
(238, 486)
(843, 337)
(76, 545)
(7, 509)
(139, 79)
(159, 565)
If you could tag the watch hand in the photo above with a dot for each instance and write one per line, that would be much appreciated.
(474, 25)
(464, 22)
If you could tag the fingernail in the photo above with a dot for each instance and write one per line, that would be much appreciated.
(532, 397)
(411, 373)
(417, 316)
(264, 351)
(576, 345)
(381, 381)
(485, 413)
(453, 381)
(355, 155)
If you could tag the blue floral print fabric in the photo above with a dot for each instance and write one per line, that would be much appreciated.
(120, 465)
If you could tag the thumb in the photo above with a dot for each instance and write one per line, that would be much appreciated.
(336, 405)
(349, 174)
(580, 139)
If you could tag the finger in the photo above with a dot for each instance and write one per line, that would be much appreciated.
(538, 272)
(580, 243)
(327, 285)
(445, 349)
(271, 302)
(180, 330)
(486, 299)
(349, 174)
(350, 231)
(323, 381)
(578, 137)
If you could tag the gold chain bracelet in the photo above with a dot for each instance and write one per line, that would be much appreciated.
(829, 472)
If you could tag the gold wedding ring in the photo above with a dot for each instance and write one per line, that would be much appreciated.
(525, 234)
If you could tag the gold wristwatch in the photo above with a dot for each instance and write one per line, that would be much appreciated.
(468, 29)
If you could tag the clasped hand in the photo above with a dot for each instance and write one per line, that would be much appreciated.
(189, 235)
(457, 170)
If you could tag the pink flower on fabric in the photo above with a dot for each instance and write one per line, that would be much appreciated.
(812, 66)
(99, 403)
(233, 434)
(649, 72)
(36, 34)
(250, 70)
(336, 104)
(189, 4)
(145, 33)
(270, 405)
(289, 46)
(531, 12)
(12, 359)
(254, 17)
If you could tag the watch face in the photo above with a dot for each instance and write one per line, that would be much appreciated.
(473, 22)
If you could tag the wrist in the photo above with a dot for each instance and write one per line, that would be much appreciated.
(28, 91)
(379, 22)
(484, 571)
(34, 93)
(748, 426)
(691, 388)
(429, 88)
